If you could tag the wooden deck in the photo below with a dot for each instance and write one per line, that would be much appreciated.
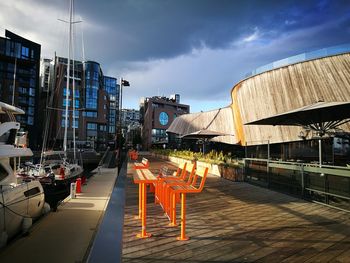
(237, 222)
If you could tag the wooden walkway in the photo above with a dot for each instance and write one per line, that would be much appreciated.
(237, 222)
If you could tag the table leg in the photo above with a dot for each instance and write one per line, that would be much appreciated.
(140, 202)
(143, 233)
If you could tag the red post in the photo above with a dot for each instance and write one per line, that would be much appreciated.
(78, 186)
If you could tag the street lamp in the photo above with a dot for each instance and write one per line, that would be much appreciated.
(124, 83)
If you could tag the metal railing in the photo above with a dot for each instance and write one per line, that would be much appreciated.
(329, 185)
(324, 52)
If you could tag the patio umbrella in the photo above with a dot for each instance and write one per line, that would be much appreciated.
(204, 135)
(320, 117)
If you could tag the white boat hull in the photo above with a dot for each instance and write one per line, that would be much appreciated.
(18, 202)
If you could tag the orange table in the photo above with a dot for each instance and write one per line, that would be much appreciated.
(142, 178)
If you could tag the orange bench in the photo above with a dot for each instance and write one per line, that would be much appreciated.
(133, 155)
(184, 189)
(143, 165)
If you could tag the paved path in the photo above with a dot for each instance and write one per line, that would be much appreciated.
(65, 236)
(237, 222)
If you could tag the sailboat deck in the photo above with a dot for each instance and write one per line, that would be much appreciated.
(236, 222)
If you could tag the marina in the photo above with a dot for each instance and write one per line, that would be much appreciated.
(130, 131)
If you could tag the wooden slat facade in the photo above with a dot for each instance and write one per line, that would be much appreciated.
(269, 93)
(285, 89)
(237, 222)
(220, 120)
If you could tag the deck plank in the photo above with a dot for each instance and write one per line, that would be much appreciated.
(236, 222)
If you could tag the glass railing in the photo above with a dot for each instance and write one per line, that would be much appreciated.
(328, 185)
(324, 52)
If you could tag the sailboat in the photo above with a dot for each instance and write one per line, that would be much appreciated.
(55, 171)
(21, 202)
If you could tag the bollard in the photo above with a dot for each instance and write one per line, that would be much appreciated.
(72, 190)
(78, 186)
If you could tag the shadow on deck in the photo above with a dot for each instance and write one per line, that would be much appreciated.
(236, 222)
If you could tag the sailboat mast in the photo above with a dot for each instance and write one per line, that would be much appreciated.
(68, 77)
(73, 92)
(14, 83)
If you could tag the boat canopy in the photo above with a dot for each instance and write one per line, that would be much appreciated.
(5, 108)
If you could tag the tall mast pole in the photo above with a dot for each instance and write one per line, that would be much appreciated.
(68, 77)
(14, 82)
(73, 93)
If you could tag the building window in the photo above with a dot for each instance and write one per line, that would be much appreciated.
(91, 126)
(63, 123)
(65, 102)
(75, 123)
(31, 101)
(30, 120)
(31, 92)
(163, 118)
(159, 135)
(25, 52)
(30, 111)
(90, 114)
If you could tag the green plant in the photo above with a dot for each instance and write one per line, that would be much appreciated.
(212, 157)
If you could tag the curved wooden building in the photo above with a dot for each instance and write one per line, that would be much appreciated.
(220, 120)
(284, 85)
(286, 88)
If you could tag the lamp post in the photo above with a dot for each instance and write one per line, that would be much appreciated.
(124, 83)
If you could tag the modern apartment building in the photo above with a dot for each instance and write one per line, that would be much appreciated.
(157, 113)
(96, 103)
(19, 80)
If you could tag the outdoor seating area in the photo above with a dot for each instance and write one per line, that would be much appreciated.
(226, 222)
(167, 191)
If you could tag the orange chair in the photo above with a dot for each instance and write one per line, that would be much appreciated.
(180, 174)
(133, 155)
(143, 165)
(183, 190)
(186, 179)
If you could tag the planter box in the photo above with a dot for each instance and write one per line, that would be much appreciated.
(230, 173)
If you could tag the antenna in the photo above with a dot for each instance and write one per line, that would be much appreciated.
(82, 40)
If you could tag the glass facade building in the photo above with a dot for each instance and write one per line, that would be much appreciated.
(96, 103)
(19, 80)
(112, 89)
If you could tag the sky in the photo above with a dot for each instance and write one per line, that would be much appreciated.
(196, 48)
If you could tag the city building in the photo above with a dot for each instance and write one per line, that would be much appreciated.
(157, 113)
(282, 86)
(131, 127)
(96, 104)
(19, 80)
(130, 117)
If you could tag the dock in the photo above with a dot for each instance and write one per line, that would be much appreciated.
(237, 222)
(68, 234)
(227, 222)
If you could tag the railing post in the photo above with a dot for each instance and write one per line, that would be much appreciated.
(326, 188)
(302, 180)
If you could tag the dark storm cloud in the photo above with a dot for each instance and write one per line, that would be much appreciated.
(201, 46)
(142, 30)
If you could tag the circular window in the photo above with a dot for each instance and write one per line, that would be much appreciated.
(163, 118)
